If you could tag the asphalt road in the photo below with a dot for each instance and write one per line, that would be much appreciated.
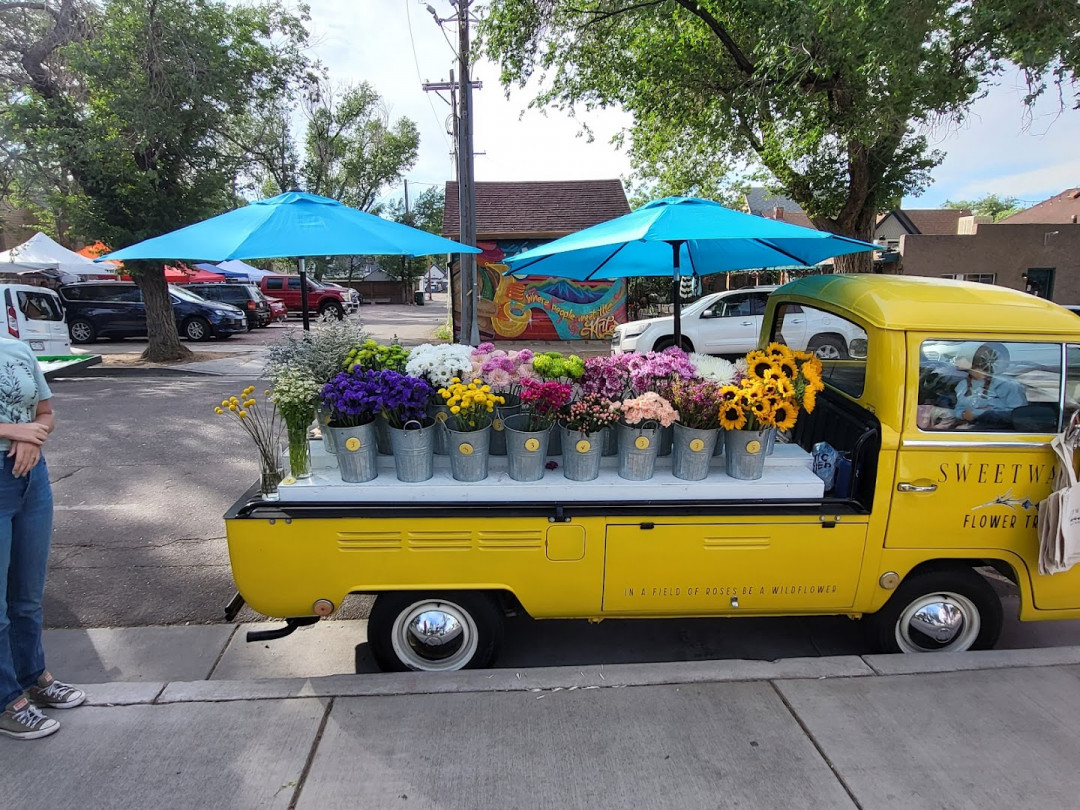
(143, 471)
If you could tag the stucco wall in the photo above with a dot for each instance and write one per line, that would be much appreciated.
(1008, 251)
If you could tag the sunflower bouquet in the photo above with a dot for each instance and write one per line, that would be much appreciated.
(471, 405)
(779, 382)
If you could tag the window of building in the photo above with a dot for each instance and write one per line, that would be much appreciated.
(981, 278)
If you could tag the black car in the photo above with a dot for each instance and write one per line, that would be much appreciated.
(241, 296)
(115, 309)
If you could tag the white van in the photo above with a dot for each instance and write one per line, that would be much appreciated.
(35, 316)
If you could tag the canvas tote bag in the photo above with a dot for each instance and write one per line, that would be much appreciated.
(1059, 515)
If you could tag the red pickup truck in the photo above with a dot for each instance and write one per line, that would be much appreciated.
(321, 300)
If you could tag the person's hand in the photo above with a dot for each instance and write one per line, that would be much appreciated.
(27, 455)
(32, 432)
(968, 415)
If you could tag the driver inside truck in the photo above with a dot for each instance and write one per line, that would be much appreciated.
(985, 398)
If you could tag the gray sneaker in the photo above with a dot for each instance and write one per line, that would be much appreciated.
(22, 721)
(50, 693)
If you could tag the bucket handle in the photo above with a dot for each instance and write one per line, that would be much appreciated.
(419, 425)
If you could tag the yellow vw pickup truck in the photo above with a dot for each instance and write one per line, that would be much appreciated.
(941, 408)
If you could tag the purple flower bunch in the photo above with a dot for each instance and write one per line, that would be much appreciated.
(404, 398)
(353, 397)
(502, 370)
(607, 376)
(657, 371)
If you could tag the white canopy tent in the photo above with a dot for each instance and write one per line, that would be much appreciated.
(44, 253)
(233, 266)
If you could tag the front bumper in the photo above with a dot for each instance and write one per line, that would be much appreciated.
(230, 325)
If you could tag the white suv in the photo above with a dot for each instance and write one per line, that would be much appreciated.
(729, 322)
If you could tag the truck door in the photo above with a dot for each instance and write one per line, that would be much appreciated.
(766, 565)
(974, 458)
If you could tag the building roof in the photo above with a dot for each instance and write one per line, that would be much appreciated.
(537, 209)
(761, 202)
(1061, 209)
(921, 303)
(936, 221)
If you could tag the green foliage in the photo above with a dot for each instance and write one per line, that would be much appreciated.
(830, 98)
(426, 213)
(988, 205)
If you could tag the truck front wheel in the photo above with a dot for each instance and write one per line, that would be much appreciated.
(332, 310)
(949, 610)
(435, 632)
(827, 347)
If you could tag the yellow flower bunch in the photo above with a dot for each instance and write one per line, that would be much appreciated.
(779, 382)
(470, 405)
(259, 422)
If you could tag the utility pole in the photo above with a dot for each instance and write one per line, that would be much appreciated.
(461, 102)
(405, 285)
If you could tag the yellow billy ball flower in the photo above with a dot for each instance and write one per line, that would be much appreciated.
(224, 403)
(218, 411)
(243, 414)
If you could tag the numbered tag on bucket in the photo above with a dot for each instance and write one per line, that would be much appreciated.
(753, 447)
(497, 424)
(697, 445)
(583, 446)
(352, 444)
(465, 449)
(641, 442)
(532, 445)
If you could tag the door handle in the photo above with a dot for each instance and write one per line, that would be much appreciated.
(904, 486)
(746, 323)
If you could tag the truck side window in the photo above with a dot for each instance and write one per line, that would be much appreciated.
(989, 386)
(1072, 382)
(840, 344)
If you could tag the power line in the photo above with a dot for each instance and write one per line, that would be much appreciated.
(419, 78)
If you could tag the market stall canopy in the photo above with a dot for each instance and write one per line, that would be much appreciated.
(239, 269)
(206, 272)
(39, 249)
(288, 225)
(95, 250)
(681, 236)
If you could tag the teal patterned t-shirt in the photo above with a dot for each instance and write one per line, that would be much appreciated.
(22, 385)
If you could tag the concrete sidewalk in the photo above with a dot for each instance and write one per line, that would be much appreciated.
(182, 718)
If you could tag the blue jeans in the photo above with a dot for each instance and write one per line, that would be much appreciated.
(26, 516)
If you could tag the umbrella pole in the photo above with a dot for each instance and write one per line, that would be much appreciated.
(303, 295)
(675, 289)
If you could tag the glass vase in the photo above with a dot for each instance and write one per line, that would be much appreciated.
(269, 476)
(299, 452)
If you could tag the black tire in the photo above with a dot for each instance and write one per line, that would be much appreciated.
(972, 602)
(82, 331)
(333, 309)
(477, 617)
(669, 341)
(197, 329)
(827, 347)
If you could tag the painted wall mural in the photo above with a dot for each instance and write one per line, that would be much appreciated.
(541, 308)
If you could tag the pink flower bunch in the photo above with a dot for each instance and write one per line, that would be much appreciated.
(649, 407)
(541, 401)
(607, 376)
(656, 371)
(502, 370)
(591, 414)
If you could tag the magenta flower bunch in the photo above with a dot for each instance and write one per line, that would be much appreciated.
(608, 376)
(542, 401)
(649, 407)
(591, 414)
(502, 370)
(698, 403)
(656, 371)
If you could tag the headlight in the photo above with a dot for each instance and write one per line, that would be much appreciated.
(631, 330)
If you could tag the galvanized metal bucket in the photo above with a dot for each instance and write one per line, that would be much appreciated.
(745, 453)
(770, 444)
(356, 452)
(468, 451)
(322, 417)
(442, 440)
(611, 441)
(555, 447)
(526, 450)
(581, 454)
(498, 437)
(637, 451)
(414, 451)
(692, 452)
(382, 436)
(667, 435)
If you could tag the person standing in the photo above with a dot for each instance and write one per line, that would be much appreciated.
(26, 517)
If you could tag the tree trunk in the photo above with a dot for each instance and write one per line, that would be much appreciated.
(164, 341)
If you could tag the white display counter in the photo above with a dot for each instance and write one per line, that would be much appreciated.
(787, 476)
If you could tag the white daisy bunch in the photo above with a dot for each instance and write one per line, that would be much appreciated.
(439, 364)
(715, 369)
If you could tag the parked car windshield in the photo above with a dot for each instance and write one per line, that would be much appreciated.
(186, 295)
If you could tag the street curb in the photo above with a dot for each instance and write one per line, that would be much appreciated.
(547, 680)
(136, 371)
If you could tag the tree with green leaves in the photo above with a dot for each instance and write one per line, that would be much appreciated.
(426, 213)
(830, 100)
(988, 205)
(141, 104)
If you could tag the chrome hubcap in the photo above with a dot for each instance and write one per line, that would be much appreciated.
(827, 352)
(432, 636)
(940, 622)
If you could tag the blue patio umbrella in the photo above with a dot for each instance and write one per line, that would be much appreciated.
(288, 225)
(681, 236)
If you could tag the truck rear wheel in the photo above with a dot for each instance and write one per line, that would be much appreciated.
(949, 610)
(669, 341)
(434, 632)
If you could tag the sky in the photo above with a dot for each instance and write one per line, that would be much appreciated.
(395, 45)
